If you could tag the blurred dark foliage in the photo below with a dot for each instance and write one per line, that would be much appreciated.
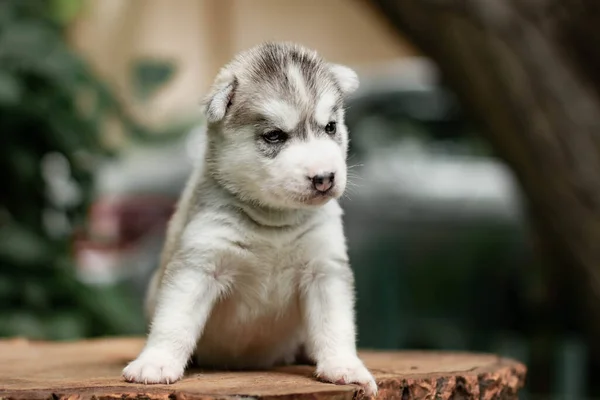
(53, 109)
(452, 276)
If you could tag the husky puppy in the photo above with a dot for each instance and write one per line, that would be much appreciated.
(254, 271)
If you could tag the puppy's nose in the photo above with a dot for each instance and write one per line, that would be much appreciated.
(323, 182)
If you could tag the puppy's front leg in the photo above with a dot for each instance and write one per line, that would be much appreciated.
(329, 316)
(184, 303)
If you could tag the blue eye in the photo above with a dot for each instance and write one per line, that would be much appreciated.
(330, 128)
(275, 136)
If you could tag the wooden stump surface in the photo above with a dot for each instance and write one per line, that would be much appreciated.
(91, 370)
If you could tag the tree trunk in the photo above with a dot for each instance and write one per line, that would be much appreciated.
(530, 71)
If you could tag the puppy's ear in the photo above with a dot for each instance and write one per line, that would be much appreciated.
(345, 77)
(220, 97)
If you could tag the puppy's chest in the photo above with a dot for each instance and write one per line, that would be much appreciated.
(267, 278)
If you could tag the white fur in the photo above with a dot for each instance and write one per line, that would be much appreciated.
(324, 108)
(346, 77)
(285, 115)
(297, 81)
(217, 105)
(317, 155)
(254, 267)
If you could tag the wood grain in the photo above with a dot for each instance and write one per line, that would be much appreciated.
(91, 370)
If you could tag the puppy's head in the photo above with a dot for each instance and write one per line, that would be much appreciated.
(276, 126)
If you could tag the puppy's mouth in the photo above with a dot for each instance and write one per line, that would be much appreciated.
(307, 196)
(316, 197)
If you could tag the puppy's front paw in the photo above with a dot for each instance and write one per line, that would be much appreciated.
(344, 371)
(154, 366)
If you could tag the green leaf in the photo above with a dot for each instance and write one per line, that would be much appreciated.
(149, 75)
(10, 89)
(22, 247)
(64, 11)
(25, 323)
(66, 325)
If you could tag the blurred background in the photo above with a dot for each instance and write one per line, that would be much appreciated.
(473, 220)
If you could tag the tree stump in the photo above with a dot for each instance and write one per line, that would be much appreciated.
(92, 370)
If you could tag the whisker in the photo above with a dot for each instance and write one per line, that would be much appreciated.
(355, 165)
(356, 178)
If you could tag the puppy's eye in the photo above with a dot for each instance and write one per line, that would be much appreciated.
(330, 128)
(276, 136)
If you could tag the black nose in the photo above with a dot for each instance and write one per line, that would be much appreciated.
(323, 182)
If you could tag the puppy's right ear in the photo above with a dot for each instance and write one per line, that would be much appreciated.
(220, 97)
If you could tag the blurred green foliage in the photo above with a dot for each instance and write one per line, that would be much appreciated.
(53, 110)
(150, 75)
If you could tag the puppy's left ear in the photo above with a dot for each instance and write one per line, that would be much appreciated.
(220, 96)
(345, 77)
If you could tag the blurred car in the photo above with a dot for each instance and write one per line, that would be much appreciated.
(135, 197)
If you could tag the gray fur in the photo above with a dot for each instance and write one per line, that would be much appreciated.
(255, 269)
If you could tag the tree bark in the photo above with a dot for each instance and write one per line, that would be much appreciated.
(530, 71)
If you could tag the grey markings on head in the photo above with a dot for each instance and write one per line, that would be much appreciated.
(284, 71)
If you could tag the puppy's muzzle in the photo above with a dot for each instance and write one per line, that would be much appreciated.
(323, 182)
